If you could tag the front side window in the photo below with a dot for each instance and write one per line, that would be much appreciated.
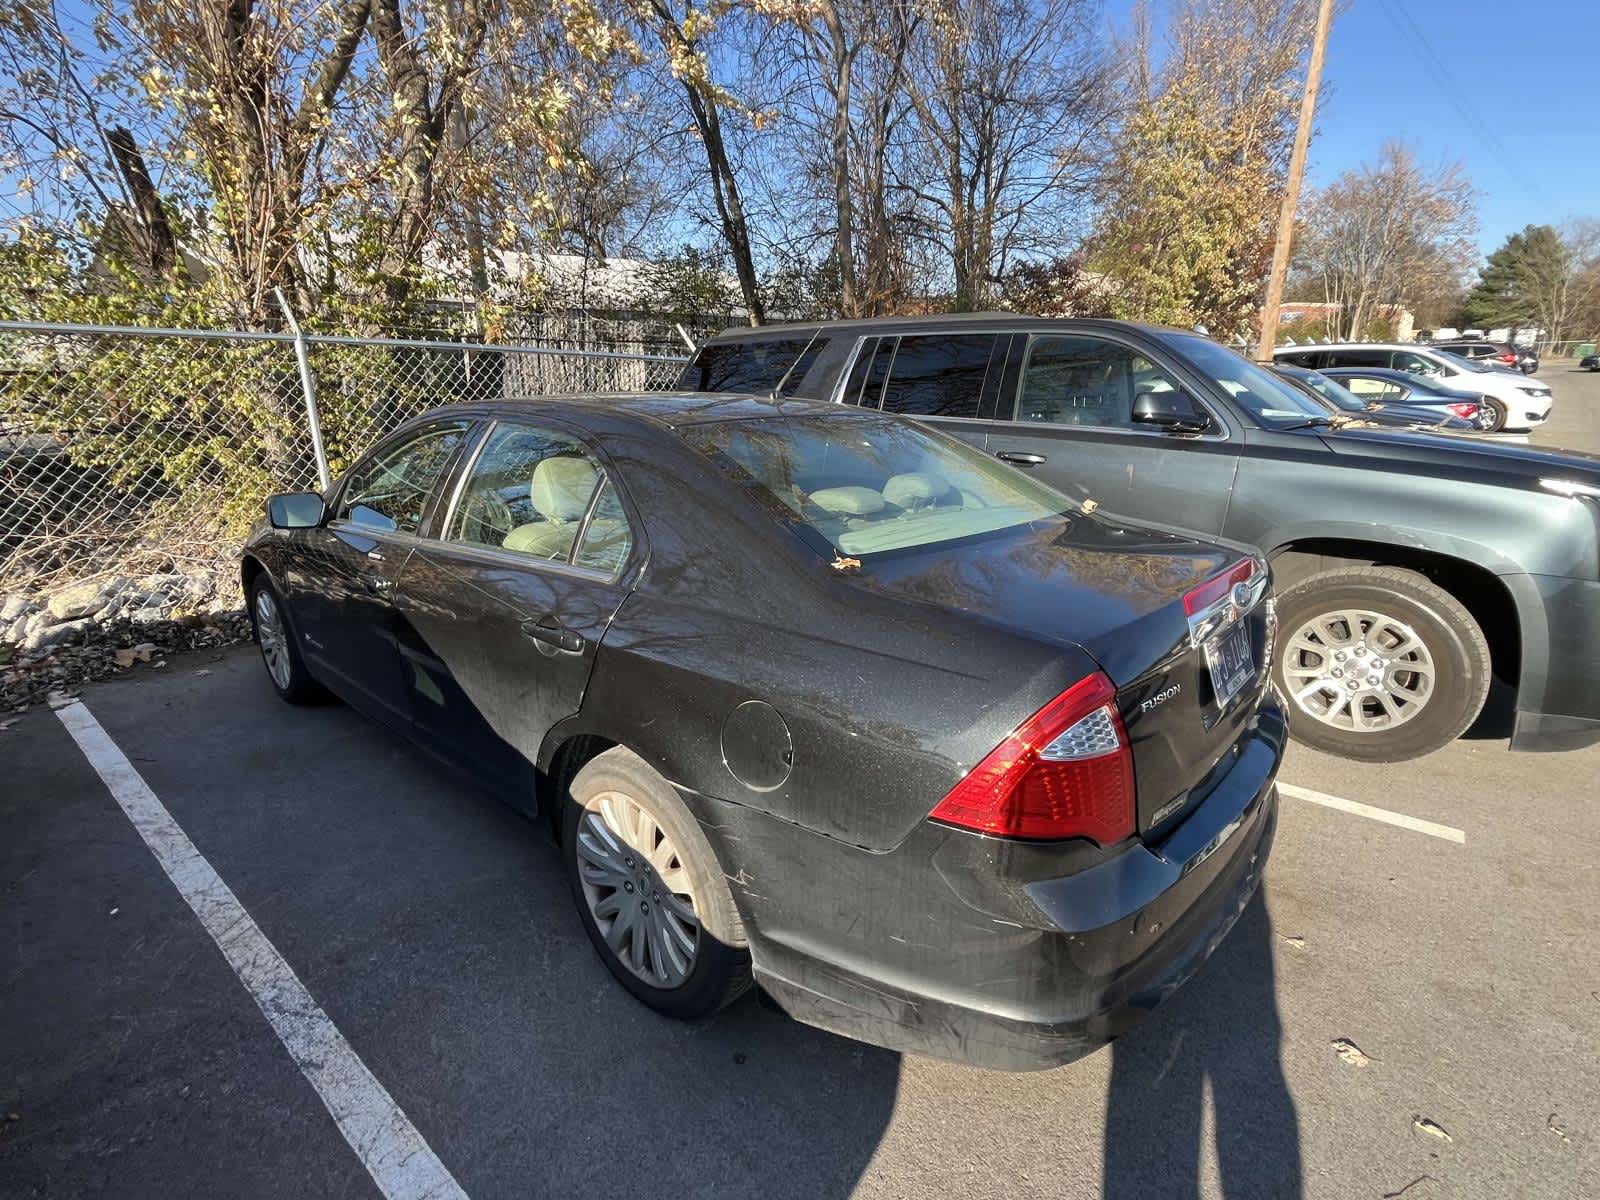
(1269, 398)
(390, 490)
(756, 365)
(938, 375)
(1405, 360)
(860, 487)
(529, 492)
(1075, 380)
(1358, 358)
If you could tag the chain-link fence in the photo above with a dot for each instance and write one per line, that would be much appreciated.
(133, 460)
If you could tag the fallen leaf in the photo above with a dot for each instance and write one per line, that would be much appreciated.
(60, 699)
(1351, 1053)
(125, 658)
(203, 671)
(1089, 506)
(1295, 940)
(1558, 1130)
(5, 725)
(1432, 1128)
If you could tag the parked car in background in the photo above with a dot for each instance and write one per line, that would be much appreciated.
(1527, 359)
(1590, 362)
(1384, 385)
(1386, 407)
(1525, 403)
(1489, 354)
(1441, 560)
(947, 762)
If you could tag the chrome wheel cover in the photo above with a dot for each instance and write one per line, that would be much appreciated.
(1358, 670)
(637, 890)
(274, 639)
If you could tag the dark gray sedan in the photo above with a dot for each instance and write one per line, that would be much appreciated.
(816, 696)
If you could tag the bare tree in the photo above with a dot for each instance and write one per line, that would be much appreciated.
(1010, 97)
(1385, 233)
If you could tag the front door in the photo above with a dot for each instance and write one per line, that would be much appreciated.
(347, 612)
(1073, 428)
(503, 612)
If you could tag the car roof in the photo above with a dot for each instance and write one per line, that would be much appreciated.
(671, 410)
(1350, 346)
(934, 323)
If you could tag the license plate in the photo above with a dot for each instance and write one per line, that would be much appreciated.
(1230, 661)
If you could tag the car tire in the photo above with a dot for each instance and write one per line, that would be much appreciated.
(617, 803)
(280, 653)
(1393, 607)
(1496, 421)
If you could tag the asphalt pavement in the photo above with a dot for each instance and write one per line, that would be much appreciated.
(1409, 1008)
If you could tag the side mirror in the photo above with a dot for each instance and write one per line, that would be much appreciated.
(295, 510)
(1171, 412)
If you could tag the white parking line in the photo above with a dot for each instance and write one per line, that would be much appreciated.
(397, 1157)
(1447, 833)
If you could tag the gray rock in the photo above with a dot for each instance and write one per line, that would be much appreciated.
(57, 635)
(81, 599)
(16, 605)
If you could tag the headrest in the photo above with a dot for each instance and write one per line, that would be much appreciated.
(915, 489)
(562, 486)
(848, 501)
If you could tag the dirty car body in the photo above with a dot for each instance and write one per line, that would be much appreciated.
(841, 706)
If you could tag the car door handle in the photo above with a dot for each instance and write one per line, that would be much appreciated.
(552, 633)
(1019, 458)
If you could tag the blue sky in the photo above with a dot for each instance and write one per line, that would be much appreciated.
(1525, 81)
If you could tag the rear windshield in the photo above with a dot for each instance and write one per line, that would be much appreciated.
(869, 486)
(750, 366)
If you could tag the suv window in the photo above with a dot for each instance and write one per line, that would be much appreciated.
(756, 365)
(865, 385)
(390, 490)
(938, 375)
(1302, 358)
(529, 492)
(1405, 360)
(1070, 379)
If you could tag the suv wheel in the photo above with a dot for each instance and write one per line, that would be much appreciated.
(1378, 663)
(650, 890)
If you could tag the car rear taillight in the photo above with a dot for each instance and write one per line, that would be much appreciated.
(1065, 772)
(1508, 358)
(1465, 409)
(1208, 593)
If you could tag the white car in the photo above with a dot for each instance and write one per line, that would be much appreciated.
(1525, 402)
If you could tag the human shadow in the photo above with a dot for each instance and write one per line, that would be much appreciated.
(1221, 1030)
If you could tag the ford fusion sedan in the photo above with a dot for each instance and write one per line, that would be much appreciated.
(814, 696)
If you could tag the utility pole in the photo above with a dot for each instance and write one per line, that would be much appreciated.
(1291, 193)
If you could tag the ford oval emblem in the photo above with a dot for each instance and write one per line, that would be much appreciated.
(1241, 596)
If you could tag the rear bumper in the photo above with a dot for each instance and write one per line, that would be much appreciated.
(1558, 694)
(1027, 973)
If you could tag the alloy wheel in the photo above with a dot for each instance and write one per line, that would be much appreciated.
(637, 890)
(274, 639)
(1358, 670)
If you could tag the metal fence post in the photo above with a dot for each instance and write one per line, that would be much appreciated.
(308, 385)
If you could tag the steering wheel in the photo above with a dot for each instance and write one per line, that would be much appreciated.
(486, 519)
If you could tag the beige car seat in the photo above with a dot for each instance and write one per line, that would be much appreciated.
(560, 491)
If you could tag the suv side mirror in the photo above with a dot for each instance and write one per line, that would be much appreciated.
(295, 510)
(1171, 412)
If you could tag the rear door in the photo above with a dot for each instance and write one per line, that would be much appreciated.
(505, 608)
(1071, 406)
(343, 597)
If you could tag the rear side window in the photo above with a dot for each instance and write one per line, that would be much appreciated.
(1359, 358)
(757, 365)
(939, 375)
(865, 385)
(1303, 358)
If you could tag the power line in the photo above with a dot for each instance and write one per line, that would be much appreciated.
(1456, 96)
